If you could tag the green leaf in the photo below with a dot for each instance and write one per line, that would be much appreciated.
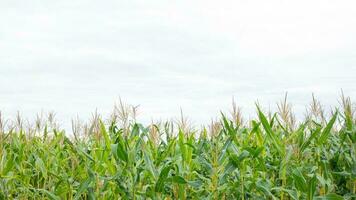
(228, 126)
(293, 194)
(135, 130)
(310, 139)
(270, 133)
(236, 160)
(41, 166)
(149, 161)
(299, 180)
(196, 183)
(224, 150)
(119, 151)
(330, 196)
(311, 188)
(105, 134)
(326, 132)
(49, 194)
(162, 178)
(177, 179)
(84, 186)
(182, 146)
(264, 187)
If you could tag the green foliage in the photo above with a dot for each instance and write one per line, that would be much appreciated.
(263, 159)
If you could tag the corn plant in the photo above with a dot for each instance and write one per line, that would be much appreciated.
(270, 157)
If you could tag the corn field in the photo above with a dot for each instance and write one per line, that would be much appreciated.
(269, 157)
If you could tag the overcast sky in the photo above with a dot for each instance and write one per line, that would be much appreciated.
(75, 56)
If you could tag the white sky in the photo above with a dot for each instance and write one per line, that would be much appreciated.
(75, 56)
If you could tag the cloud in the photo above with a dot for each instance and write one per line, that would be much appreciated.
(74, 56)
